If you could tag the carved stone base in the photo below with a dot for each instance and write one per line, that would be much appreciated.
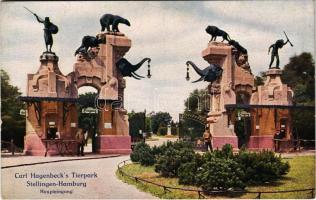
(261, 142)
(220, 141)
(33, 145)
(114, 144)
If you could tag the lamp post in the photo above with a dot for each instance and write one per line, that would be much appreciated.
(188, 75)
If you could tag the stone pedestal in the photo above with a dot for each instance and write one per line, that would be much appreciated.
(267, 120)
(113, 120)
(48, 100)
(221, 93)
(114, 144)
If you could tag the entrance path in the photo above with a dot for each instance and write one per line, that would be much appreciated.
(160, 140)
(105, 186)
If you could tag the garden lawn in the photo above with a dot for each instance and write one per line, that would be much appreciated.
(300, 176)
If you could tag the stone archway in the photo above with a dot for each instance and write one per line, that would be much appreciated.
(49, 91)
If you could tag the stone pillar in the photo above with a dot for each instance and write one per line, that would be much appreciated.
(268, 120)
(42, 111)
(221, 93)
(113, 120)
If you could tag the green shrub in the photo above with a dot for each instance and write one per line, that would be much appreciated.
(187, 171)
(159, 150)
(169, 162)
(143, 153)
(220, 174)
(261, 167)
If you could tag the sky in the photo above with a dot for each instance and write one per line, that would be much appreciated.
(170, 33)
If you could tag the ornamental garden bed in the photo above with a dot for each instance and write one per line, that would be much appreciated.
(172, 165)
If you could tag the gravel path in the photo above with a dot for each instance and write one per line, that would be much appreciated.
(105, 185)
(160, 141)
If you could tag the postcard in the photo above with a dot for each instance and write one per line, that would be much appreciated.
(157, 99)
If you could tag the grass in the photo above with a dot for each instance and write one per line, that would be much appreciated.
(301, 176)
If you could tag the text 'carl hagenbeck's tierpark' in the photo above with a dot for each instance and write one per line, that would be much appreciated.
(61, 179)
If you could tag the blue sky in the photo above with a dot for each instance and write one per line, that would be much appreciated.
(170, 33)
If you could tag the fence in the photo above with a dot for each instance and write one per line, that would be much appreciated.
(10, 147)
(215, 192)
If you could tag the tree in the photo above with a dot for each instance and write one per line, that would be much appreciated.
(136, 123)
(160, 119)
(259, 80)
(299, 74)
(13, 124)
(87, 120)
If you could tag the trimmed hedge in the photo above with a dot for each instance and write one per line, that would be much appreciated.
(143, 153)
(220, 174)
(261, 167)
(170, 161)
(218, 170)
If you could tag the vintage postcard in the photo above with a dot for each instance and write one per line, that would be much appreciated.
(157, 99)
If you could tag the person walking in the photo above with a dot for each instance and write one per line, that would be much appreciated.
(207, 139)
(277, 139)
(80, 142)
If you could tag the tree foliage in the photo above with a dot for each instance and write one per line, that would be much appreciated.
(87, 120)
(299, 74)
(160, 119)
(13, 124)
(136, 123)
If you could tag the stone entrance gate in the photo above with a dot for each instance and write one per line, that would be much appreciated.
(52, 96)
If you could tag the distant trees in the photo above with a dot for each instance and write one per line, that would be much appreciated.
(13, 124)
(136, 123)
(87, 120)
(160, 119)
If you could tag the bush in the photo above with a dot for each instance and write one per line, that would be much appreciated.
(220, 174)
(159, 150)
(142, 153)
(261, 167)
(187, 171)
(170, 161)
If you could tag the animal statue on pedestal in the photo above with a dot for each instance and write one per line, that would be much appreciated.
(214, 32)
(209, 74)
(108, 20)
(88, 42)
(237, 46)
(127, 69)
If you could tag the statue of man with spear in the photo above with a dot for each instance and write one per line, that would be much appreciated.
(275, 47)
(49, 29)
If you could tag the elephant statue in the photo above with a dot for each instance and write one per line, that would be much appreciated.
(127, 69)
(209, 74)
